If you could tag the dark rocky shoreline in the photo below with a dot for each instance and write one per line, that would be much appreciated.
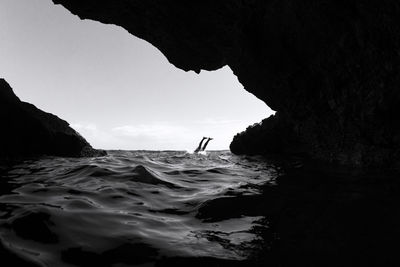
(270, 136)
(30, 132)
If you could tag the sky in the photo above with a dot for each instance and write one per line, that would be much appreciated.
(117, 90)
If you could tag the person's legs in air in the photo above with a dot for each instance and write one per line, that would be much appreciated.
(199, 147)
(205, 145)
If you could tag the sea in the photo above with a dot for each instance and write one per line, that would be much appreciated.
(134, 208)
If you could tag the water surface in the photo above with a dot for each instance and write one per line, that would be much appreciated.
(131, 207)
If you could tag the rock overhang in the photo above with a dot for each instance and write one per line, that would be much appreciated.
(329, 68)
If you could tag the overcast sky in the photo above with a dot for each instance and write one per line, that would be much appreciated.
(118, 91)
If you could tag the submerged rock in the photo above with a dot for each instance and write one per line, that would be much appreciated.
(28, 131)
(329, 68)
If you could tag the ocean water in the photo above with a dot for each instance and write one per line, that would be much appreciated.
(132, 208)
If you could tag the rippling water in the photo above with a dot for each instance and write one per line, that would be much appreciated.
(130, 207)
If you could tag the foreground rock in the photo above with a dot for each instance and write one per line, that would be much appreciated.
(329, 68)
(28, 131)
(271, 136)
(320, 218)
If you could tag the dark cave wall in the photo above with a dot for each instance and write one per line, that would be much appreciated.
(28, 131)
(329, 68)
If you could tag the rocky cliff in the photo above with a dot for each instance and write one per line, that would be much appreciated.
(28, 131)
(330, 68)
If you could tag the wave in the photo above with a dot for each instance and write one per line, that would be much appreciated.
(131, 207)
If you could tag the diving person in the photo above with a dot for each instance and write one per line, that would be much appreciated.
(198, 149)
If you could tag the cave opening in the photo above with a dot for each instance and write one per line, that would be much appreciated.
(118, 91)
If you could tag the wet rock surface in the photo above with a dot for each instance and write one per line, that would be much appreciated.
(27, 131)
(321, 218)
(329, 68)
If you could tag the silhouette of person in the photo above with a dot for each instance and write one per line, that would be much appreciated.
(199, 147)
(205, 145)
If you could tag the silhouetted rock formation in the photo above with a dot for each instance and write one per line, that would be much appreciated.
(28, 131)
(329, 68)
(271, 136)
